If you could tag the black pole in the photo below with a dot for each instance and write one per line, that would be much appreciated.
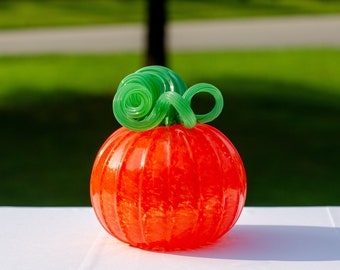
(156, 52)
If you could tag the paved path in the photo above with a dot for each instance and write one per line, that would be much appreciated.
(309, 31)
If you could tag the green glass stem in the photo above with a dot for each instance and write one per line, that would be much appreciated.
(156, 95)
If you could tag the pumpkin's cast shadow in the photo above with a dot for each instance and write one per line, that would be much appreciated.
(278, 243)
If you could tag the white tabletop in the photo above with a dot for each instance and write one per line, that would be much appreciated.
(263, 238)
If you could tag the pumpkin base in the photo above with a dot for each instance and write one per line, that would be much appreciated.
(167, 247)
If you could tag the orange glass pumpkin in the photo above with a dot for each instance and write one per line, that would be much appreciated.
(169, 187)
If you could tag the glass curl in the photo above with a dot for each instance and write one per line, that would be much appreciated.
(156, 95)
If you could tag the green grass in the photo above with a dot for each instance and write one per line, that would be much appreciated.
(35, 13)
(282, 111)
(40, 13)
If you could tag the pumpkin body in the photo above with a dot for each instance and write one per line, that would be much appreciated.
(168, 188)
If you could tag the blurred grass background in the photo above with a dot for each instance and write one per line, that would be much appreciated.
(51, 13)
(282, 107)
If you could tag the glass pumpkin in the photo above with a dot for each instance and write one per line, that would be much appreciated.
(168, 187)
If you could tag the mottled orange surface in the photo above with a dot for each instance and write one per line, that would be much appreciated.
(168, 188)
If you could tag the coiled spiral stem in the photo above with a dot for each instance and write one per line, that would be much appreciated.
(156, 95)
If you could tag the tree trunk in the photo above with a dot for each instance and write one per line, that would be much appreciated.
(156, 51)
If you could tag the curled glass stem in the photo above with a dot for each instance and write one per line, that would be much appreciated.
(156, 95)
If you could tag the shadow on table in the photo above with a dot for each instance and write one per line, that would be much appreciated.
(278, 243)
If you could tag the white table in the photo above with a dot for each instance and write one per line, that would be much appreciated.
(263, 238)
